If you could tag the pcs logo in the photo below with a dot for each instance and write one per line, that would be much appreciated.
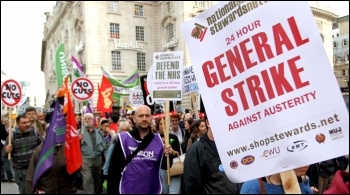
(247, 160)
(297, 146)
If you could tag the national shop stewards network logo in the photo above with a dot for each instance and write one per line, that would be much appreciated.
(199, 31)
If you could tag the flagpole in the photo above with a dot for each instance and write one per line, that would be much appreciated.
(82, 121)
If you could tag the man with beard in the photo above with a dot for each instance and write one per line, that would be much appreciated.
(148, 151)
(92, 148)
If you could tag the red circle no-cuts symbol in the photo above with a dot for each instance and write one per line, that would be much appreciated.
(82, 89)
(11, 93)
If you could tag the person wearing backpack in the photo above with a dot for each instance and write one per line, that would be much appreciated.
(24, 141)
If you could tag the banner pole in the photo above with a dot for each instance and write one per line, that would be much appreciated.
(290, 182)
(166, 137)
(10, 132)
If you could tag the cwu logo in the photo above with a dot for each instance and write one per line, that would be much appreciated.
(273, 152)
(297, 146)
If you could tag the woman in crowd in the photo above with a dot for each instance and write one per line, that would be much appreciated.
(198, 128)
(174, 187)
(124, 126)
(187, 126)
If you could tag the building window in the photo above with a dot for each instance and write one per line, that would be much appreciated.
(167, 7)
(344, 72)
(334, 44)
(200, 4)
(116, 61)
(138, 10)
(319, 25)
(140, 33)
(345, 43)
(337, 34)
(114, 31)
(141, 61)
(113, 6)
(169, 31)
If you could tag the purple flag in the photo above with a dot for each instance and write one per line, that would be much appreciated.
(78, 65)
(57, 127)
(132, 78)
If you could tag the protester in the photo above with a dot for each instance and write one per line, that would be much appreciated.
(41, 117)
(202, 169)
(340, 183)
(78, 119)
(198, 128)
(37, 125)
(272, 184)
(175, 181)
(124, 126)
(5, 163)
(177, 130)
(322, 174)
(114, 116)
(24, 140)
(137, 175)
(188, 120)
(92, 148)
(55, 180)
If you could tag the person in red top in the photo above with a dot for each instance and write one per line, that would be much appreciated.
(115, 118)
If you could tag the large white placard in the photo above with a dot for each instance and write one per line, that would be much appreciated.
(167, 75)
(269, 91)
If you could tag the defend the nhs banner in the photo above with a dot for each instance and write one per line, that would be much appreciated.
(268, 88)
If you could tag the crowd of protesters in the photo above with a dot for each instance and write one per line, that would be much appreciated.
(128, 154)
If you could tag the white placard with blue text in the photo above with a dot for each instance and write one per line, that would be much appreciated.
(269, 90)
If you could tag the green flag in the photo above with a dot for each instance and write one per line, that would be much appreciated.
(121, 91)
(61, 64)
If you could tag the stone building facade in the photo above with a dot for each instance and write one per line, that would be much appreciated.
(122, 36)
(341, 55)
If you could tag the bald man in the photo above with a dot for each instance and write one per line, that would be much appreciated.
(148, 159)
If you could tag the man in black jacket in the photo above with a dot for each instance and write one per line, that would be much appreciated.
(202, 173)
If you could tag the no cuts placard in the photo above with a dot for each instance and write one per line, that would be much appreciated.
(11, 93)
(82, 89)
(267, 86)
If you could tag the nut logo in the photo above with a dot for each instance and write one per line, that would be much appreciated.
(247, 160)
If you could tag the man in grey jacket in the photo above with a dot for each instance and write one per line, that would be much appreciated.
(92, 148)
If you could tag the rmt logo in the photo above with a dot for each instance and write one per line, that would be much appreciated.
(297, 146)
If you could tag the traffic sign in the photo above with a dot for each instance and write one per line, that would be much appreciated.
(11, 93)
(82, 89)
